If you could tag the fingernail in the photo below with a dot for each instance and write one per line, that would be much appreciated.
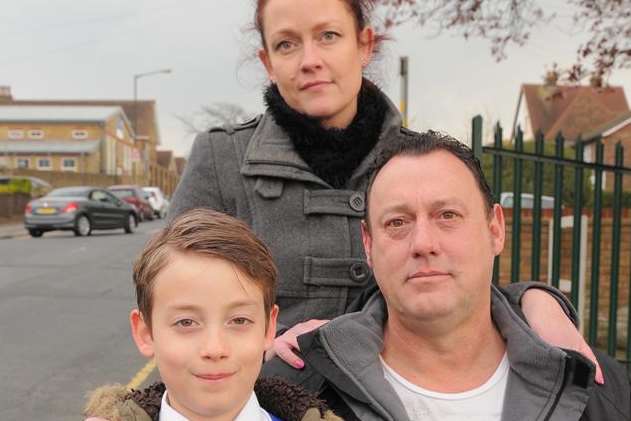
(299, 364)
(600, 379)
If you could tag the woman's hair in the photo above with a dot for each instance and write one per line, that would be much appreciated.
(360, 9)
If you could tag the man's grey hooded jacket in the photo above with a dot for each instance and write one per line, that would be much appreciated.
(545, 383)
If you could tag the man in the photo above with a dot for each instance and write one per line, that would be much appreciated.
(438, 342)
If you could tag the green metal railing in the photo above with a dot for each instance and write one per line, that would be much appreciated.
(554, 170)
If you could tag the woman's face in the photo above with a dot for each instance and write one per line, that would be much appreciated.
(315, 56)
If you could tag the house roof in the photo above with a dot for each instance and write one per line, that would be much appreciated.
(572, 110)
(610, 127)
(48, 146)
(147, 123)
(164, 158)
(55, 113)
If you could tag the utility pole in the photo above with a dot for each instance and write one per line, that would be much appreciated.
(404, 89)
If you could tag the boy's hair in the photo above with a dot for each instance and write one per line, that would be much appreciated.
(211, 233)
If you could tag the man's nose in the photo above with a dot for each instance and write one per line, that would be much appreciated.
(424, 240)
(214, 346)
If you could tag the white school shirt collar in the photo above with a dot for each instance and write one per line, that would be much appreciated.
(252, 411)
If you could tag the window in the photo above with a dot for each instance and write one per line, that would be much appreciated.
(16, 134)
(69, 164)
(22, 162)
(79, 134)
(44, 164)
(36, 134)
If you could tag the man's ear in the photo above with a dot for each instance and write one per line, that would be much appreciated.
(367, 240)
(141, 333)
(270, 335)
(497, 226)
(264, 57)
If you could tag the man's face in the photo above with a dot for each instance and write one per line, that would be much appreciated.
(208, 335)
(431, 242)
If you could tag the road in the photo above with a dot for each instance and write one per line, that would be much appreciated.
(64, 303)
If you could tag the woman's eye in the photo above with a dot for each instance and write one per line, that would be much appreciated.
(330, 35)
(283, 46)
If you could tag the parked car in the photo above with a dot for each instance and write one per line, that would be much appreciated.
(157, 200)
(79, 209)
(527, 201)
(135, 196)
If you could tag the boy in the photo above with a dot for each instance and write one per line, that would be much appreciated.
(205, 288)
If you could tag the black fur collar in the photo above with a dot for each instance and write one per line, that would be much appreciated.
(333, 154)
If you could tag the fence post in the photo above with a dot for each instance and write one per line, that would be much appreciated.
(476, 136)
(516, 234)
(612, 340)
(497, 189)
(596, 227)
(558, 203)
(576, 231)
(536, 211)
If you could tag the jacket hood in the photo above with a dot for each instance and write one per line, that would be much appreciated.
(554, 381)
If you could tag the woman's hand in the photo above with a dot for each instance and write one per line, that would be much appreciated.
(285, 344)
(547, 318)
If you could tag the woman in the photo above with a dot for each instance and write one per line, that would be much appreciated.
(297, 173)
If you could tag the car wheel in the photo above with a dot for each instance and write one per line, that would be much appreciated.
(36, 233)
(130, 224)
(83, 226)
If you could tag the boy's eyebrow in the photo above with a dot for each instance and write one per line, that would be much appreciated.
(233, 304)
(243, 303)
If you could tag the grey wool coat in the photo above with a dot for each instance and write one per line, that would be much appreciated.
(253, 172)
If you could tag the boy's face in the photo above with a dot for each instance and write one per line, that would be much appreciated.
(208, 334)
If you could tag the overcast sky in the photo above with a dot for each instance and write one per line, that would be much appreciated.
(71, 49)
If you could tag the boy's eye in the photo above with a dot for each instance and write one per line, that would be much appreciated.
(241, 321)
(185, 323)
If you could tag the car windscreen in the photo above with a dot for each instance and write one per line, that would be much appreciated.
(122, 193)
(68, 192)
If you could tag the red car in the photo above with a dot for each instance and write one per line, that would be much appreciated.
(135, 196)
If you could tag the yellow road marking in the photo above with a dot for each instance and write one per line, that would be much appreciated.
(142, 375)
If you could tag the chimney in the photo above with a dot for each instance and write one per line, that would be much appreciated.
(551, 78)
(596, 80)
(5, 94)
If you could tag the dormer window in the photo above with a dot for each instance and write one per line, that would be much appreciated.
(16, 134)
(36, 134)
(79, 134)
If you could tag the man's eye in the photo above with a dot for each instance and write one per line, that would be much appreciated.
(449, 215)
(395, 223)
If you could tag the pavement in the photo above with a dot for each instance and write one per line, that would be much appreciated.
(12, 230)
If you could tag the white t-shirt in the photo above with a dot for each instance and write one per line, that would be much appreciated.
(252, 411)
(484, 403)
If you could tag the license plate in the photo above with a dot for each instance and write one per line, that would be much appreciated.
(46, 211)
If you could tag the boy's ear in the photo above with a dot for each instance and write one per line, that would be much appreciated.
(141, 333)
(270, 335)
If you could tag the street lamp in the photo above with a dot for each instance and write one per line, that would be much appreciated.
(136, 77)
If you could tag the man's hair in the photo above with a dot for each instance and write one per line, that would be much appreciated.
(414, 144)
(207, 233)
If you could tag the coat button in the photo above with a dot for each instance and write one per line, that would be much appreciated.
(359, 272)
(357, 202)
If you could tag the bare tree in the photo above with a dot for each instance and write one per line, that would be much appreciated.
(217, 114)
(510, 22)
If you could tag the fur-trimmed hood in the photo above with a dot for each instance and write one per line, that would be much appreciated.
(287, 401)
